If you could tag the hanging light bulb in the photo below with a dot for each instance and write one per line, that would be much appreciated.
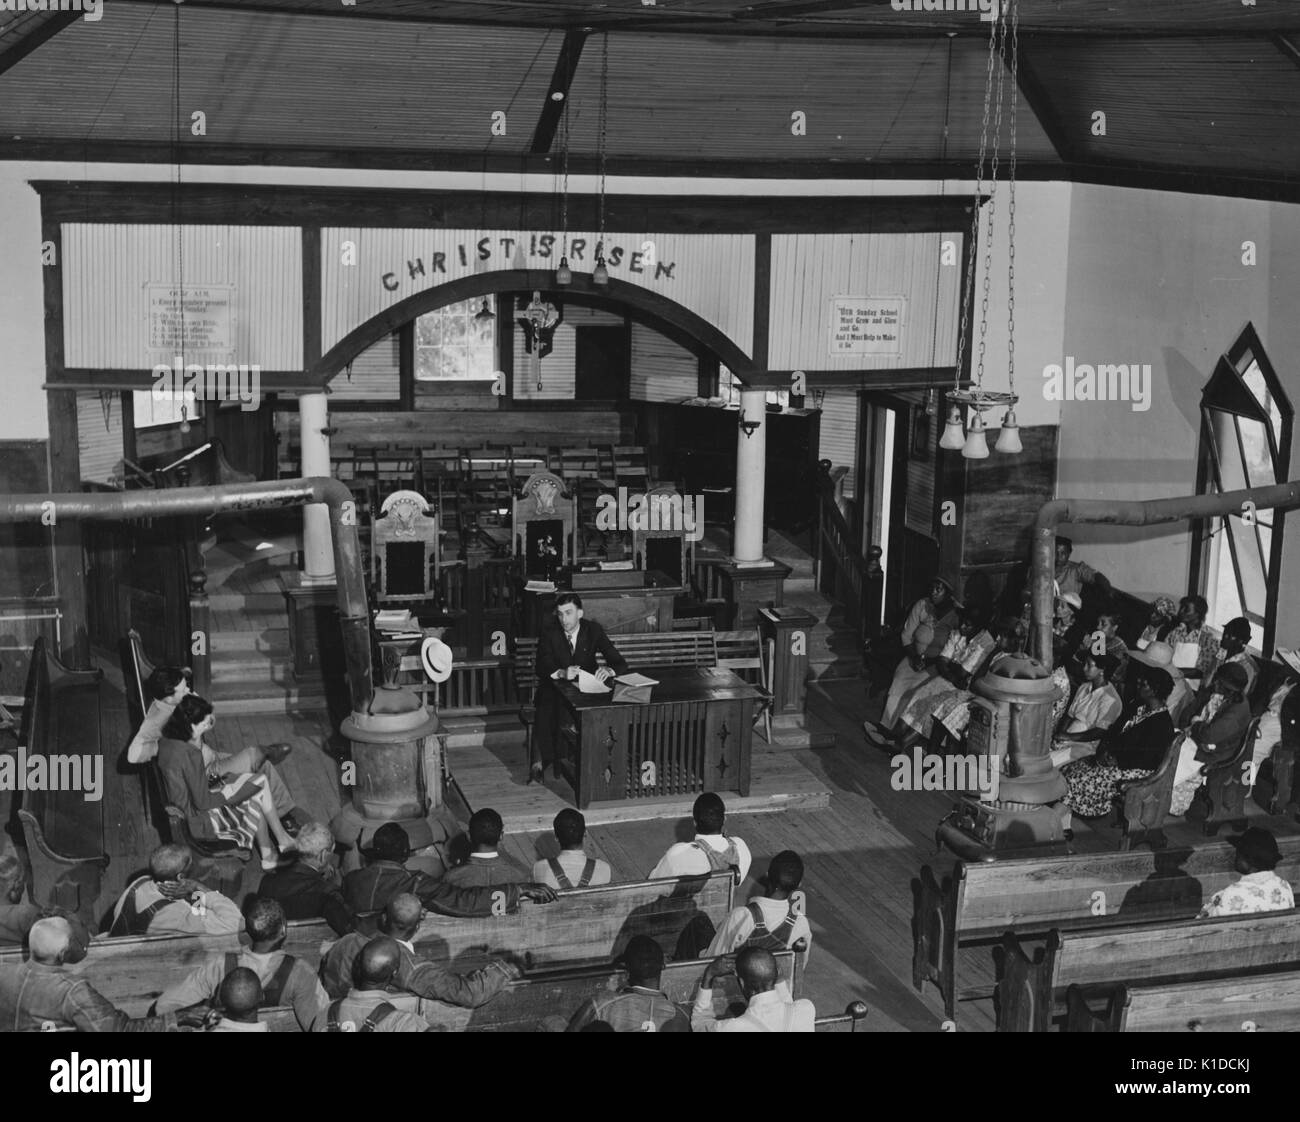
(976, 447)
(954, 436)
(601, 275)
(185, 420)
(564, 275)
(484, 313)
(1009, 437)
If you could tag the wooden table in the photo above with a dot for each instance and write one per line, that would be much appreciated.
(693, 736)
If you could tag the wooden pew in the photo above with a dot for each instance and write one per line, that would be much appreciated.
(583, 927)
(1033, 895)
(1258, 1003)
(525, 1005)
(1033, 990)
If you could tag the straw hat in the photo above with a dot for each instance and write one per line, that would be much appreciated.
(1160, 655)
(436, 656)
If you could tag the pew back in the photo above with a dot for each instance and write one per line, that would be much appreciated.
(1259, 1003)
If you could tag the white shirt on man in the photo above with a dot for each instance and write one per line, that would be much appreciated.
(739, 925)
(767, 1012)
(572, 861)
(685, 859)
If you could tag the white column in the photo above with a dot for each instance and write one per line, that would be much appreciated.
(751, 463)
(318, 549)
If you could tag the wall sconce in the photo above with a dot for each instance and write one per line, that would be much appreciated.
(749, 427)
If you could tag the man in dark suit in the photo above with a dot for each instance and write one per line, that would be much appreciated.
(567, 645)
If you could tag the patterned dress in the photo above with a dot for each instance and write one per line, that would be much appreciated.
(969, 652)
(1092, 787)
(1257, 892)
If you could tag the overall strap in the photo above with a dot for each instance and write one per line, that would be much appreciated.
(334, 1015)
(274, 988)
(588, 871)
(760, 926)
(132, 920)
(557, 871)
(377, 1016)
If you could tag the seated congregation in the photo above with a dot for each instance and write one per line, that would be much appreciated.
(390, 947)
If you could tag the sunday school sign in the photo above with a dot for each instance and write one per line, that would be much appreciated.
(867, 325)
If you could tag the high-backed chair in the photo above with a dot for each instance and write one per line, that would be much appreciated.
(404, 551)
(542, 526)
(1228, 783)
(1144, 803)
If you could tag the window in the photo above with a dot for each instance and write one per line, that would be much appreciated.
(456, 343)
(731, 387)
(1245, 442)
(164, 408)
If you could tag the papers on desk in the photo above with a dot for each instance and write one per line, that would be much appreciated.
(589, 683)
(540, 586)
(633, 687)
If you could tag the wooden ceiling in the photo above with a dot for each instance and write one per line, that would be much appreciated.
(1197, 95)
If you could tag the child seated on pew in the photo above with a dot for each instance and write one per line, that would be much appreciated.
(572, 868)
(485, 867)
(1260, 888)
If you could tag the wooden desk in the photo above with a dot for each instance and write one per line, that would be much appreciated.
(693, 736)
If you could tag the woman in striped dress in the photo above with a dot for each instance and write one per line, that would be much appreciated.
(236, 808)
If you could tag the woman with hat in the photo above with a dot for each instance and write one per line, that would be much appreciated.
(1134, 753)
(1260, 888)
(1213, 737)
(1161, 655)
(1164, 614)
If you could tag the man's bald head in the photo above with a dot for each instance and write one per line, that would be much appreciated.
(756, 969)
(402, 915)
(170, 862)
(377, 963)
(50, 939)
(240, 994)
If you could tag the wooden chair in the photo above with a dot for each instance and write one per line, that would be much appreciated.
(404, 552)
(1143, 804)
(1227, 784)
(543, 517)
(525, 688)
(742, 653)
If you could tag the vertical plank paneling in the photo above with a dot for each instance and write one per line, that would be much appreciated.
(106, 318)
(661, 370)
(99, 443)
(838, 435)
(809, 270)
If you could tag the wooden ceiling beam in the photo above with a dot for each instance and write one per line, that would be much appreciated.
(557, 95)
(1036, 97)
(44, 32)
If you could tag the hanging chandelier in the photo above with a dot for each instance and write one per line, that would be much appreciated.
(976, 399)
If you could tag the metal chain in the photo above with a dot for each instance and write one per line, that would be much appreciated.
(975, 213)
(1011, 204)
(180, 230)
(604, 119)
(564, 198)
(1000, 27)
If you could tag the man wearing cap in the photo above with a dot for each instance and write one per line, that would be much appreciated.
(1260, 888)
(1071, 576)
(924, 633)
(1213, 740)
(1161, 656)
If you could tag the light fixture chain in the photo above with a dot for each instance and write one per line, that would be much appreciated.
(1011, 203)
(973, 248)
(604, 124)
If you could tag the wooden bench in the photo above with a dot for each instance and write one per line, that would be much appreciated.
(525, 1005)
(62, 832)
(1033, 895)
(1033, 990)
(1258, 1003)
(583, 927)
(642, 651)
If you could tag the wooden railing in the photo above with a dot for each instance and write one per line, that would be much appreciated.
(478, 686)
(841, 571)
